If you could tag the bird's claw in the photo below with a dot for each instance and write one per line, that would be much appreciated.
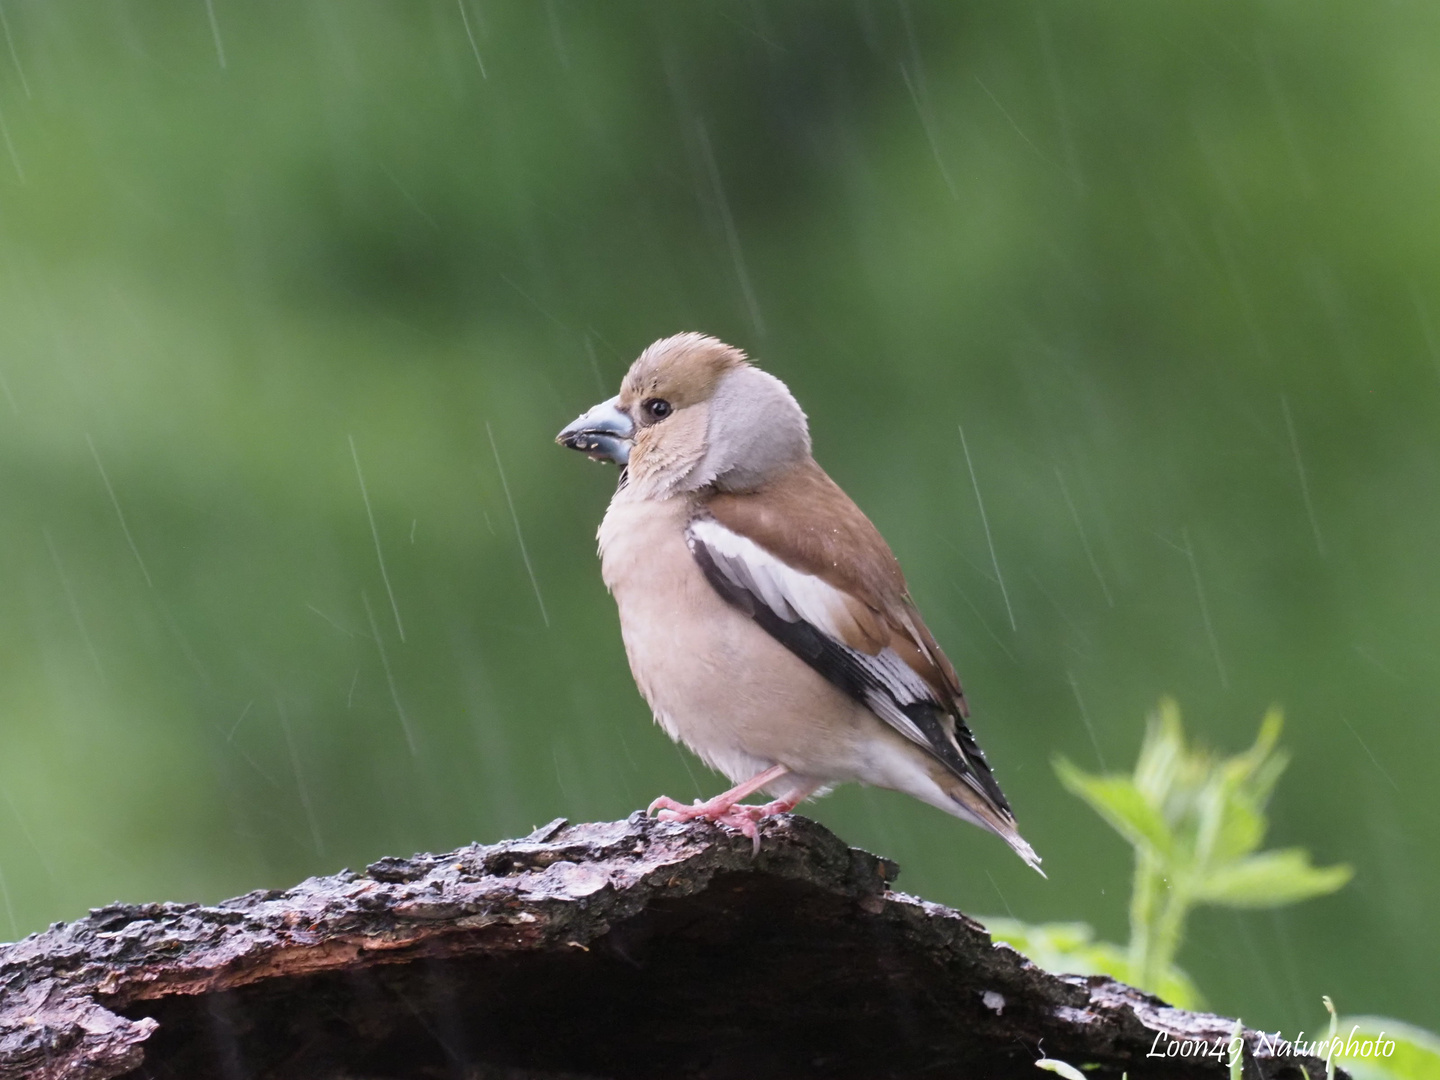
(740, 816)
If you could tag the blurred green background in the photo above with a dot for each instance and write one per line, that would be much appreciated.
(1173, 267)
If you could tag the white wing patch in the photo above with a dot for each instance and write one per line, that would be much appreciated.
(791, 594)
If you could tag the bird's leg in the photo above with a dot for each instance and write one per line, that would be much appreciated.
(726, 808)
(779, 806)
(714, 809)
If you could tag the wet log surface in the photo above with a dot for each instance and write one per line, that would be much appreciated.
(623, 949)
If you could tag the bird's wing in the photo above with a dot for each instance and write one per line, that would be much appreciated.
(814, 573)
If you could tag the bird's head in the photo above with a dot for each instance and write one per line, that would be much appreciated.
(693, 412)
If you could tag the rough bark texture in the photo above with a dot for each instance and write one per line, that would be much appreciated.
(627, 949)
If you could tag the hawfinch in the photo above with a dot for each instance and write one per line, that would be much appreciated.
(766, 621)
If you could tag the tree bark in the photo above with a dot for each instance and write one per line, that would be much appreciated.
(626, 949)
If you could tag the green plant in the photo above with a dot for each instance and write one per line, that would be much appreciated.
(1196, 822)
(1381, 1048)
(1060, 1068)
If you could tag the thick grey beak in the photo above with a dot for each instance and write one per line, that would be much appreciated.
(604, 433)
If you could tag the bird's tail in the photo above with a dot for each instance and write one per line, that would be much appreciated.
(975, 806)
(1017, 842)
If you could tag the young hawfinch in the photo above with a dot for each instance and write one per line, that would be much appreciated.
(766, 621)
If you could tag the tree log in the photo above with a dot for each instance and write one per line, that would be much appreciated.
(628, 949)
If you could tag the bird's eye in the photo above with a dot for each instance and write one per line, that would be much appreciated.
(657, 408)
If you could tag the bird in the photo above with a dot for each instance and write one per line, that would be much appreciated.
(766, 621)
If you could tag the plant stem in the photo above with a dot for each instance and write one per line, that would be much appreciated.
(1159, 903)
(1144, 898)
(1169, 929)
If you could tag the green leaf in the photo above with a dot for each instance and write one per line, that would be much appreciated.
(1414, 1053)
(1162, 752)
(1259, 785)
(1069, 1072)
(1250, 763)
(1270, 880)
(1071, 948)
(1122, 805)
(1242, 828)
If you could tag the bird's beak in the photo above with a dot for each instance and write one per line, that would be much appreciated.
(604, 433)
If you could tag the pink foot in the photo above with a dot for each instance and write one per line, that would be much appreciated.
(722, 811)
